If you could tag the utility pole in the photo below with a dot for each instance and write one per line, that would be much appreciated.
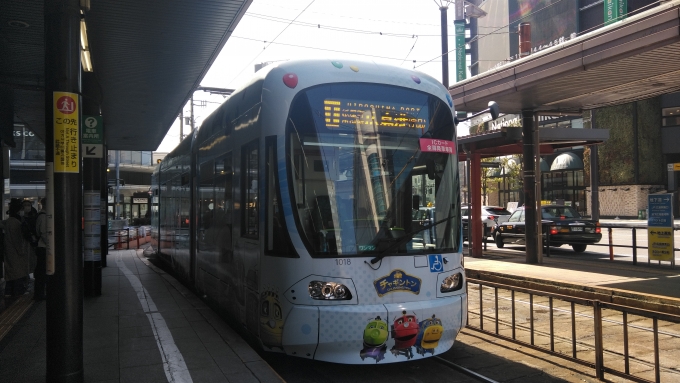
(445, 45)
(192, 113)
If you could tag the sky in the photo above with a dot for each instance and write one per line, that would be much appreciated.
(404, 33)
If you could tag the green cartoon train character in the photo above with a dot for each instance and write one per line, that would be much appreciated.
(375, 339)
(271, 320)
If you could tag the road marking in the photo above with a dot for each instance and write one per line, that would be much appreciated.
(173, 362)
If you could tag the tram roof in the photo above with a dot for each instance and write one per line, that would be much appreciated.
(148, 58)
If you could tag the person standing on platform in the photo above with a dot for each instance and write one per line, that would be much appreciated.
(29, 215)
(17, 251)
(39, 273)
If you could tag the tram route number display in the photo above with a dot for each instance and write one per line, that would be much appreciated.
(66, 126)
(358, 114)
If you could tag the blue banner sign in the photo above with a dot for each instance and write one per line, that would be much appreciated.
(660, 210)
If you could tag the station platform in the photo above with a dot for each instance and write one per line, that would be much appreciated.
(145, 327)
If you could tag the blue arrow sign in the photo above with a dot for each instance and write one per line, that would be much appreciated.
(660, 210)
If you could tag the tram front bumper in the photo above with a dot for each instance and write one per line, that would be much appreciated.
(360, 334)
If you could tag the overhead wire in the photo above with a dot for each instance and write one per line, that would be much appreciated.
(496, 30)
(277, 36)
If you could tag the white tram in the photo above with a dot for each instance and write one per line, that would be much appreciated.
(294, 210)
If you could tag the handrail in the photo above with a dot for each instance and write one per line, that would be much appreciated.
(588, 345)
(611, 245)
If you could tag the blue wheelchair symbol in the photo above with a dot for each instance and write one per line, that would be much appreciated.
(436, 264)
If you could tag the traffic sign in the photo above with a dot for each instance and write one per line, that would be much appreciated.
(93, 151)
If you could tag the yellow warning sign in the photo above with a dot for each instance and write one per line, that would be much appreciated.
(660, 243)
(66, 132)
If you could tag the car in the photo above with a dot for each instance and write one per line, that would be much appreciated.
(491, 216)
(562, 225)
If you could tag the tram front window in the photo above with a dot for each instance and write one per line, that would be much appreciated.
(360, 184)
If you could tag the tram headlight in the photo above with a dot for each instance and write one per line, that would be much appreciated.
(328, 291)
(451, 283)
(315, 289)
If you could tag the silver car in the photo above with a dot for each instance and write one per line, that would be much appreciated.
(491, 215)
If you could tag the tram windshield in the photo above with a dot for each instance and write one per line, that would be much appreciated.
(359, 181)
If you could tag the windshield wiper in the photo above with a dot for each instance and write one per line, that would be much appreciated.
(406, 238)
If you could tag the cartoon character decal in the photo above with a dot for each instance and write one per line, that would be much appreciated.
(375, 337)
(404, 331)
(271, 320)
(431, 331)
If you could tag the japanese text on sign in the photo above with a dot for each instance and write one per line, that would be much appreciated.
(66, 132)
(660, 227)
(93, 132)
(437, 146)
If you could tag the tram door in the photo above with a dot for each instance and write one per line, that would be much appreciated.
(139, 209)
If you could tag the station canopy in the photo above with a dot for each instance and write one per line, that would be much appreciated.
(148, 58)
(630, 60)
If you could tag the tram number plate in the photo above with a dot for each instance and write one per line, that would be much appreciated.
(577, 228)
(343, 262)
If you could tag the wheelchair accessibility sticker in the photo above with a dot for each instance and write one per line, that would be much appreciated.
(436, 264)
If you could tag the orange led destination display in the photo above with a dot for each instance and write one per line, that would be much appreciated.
(356, 114)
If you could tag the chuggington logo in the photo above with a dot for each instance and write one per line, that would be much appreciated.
(397, 280)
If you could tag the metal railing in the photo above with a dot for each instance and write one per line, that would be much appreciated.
(122, 237)
(118, 238)
(597, 323)
(610, 243)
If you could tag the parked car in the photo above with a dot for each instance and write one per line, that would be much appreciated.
(562, 225)
(491, 216)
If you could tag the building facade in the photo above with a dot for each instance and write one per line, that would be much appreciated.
(644, 135)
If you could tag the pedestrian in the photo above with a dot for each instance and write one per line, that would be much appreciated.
(29, 215)
(40, 271)
(17, 250)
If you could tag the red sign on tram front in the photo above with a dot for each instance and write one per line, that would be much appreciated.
(437, 146)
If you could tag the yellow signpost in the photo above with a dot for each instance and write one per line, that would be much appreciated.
(660, 243)
(66, 132)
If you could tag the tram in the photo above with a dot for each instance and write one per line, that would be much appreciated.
(294, 211)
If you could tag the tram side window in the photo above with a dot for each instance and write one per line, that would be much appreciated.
(249, 171)
(206, 204)
(277, 243)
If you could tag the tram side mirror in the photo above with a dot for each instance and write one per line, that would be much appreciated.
(493, 109)
(416, 202)
(430, 169)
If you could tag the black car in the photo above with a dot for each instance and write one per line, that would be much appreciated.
(562, 225)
